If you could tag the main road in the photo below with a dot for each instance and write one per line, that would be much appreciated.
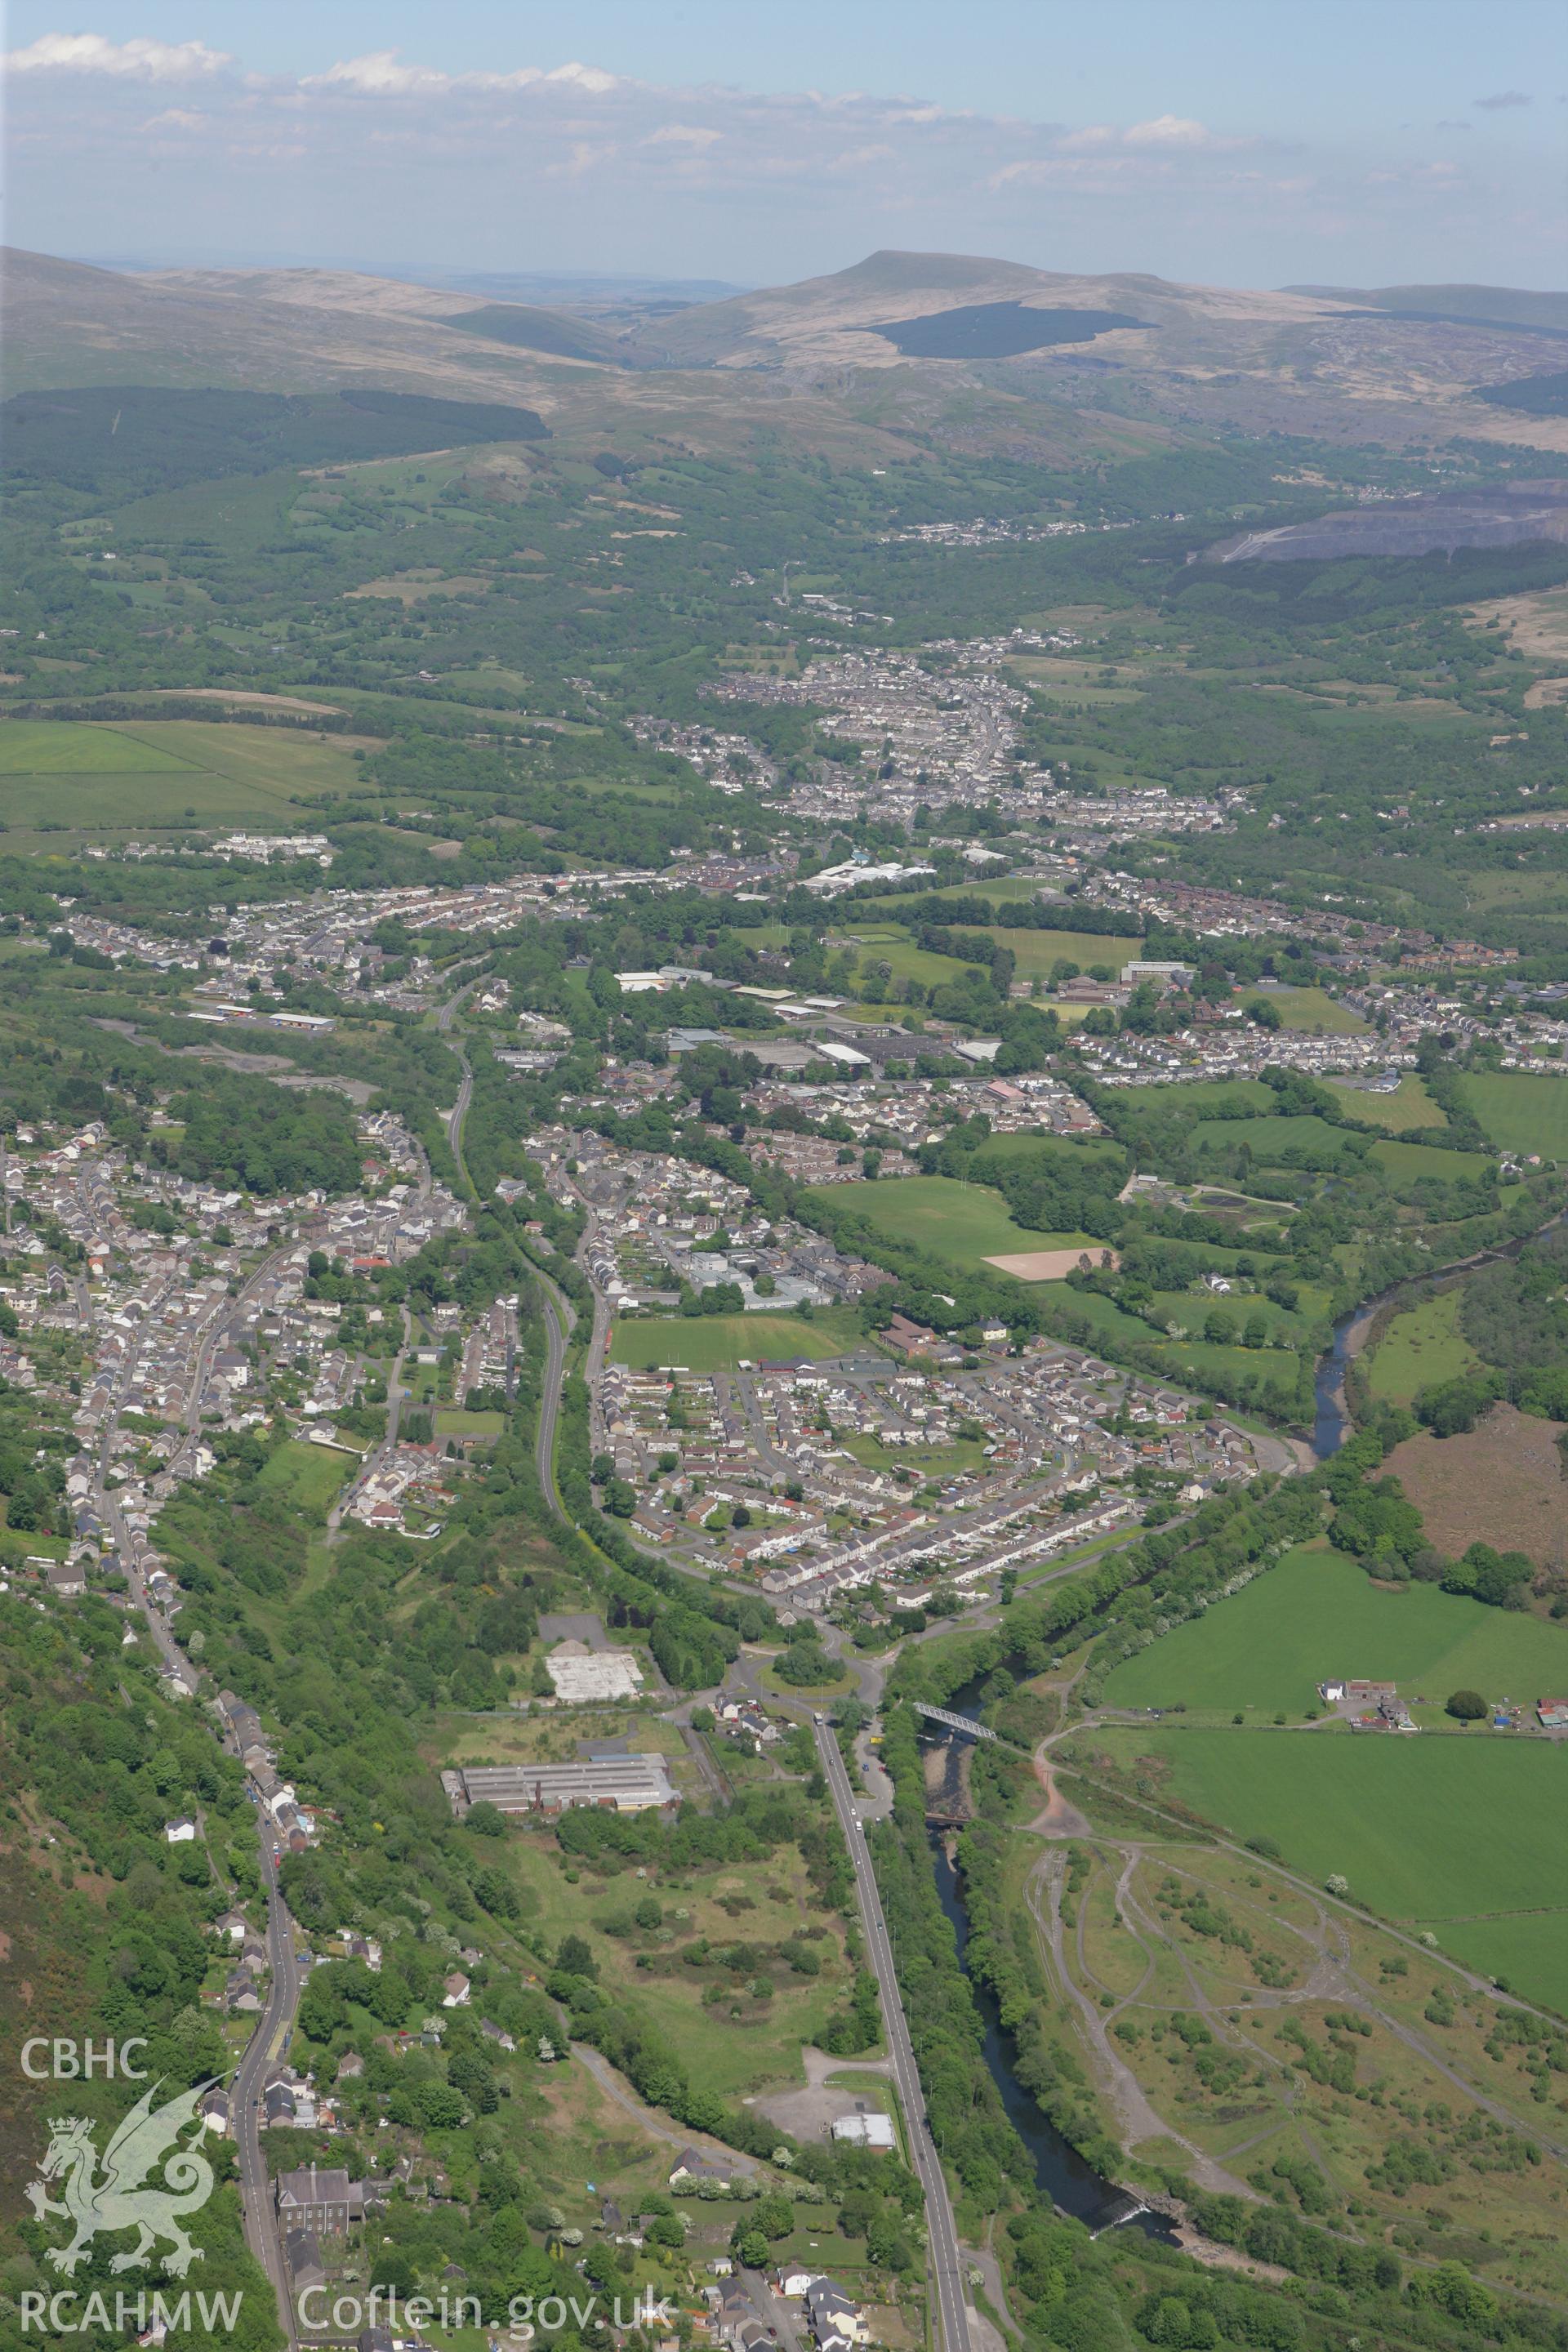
(272, 2026)
(266, 2044)
(946, 2262)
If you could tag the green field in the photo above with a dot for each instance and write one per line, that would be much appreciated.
(1190, 1308)
(1318, 1614)
(240, 512)
(1205, 1360)
(64, 748)
(1112, 1326)
(728, 2055)
(932, 1461)
(1426, 1830)
(1526, 1951)
(1061, 1150)
(309, 1475)
(1115, 1329)
(890, 944)
(711, 1343)
(1407, 1162)
(455, 1422)
(1409, 1106)
(1208, 1093)
(966, 1223)
(1520, 1112)
(1036, 952)
(163, 774)
(1311, 1009)
(1275, 1132)
(1011, 889)
(1419, 1348)
(1278, 1132)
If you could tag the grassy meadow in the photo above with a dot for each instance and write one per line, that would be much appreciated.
(966, 1223)
(715, 1343)
(734, 2049)
(1318, 1613)
(1410, 1105)
(1520, 1112)
(1311, 1009)
(1437, 1833)
(1420, 1347)
(162, 774)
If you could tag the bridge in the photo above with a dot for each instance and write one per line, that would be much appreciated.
(949, 1722)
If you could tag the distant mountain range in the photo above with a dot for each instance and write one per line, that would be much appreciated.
(1458, 306)
(960, 349)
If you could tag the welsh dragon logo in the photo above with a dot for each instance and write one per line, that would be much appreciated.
(116, 2198)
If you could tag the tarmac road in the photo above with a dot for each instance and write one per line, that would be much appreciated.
(265, 2045)
(947, 2268)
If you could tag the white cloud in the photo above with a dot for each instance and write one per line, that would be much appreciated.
(135, 60)
(1068, 171)
(1500, 100)
(593, 79)
(392, 152)
(1166, 134)
(1174, 131)
(1415, 175)
(381, 73)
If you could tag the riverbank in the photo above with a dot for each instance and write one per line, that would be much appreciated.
(1334, 1419)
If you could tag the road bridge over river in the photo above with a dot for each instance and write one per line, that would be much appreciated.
(949, 1722)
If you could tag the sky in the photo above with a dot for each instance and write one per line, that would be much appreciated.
(1246, 143)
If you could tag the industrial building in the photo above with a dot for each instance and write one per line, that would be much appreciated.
(621, 1784)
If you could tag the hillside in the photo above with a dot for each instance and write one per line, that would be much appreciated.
(900, 344)
(1197, 356)
(68, 324)
(836, 319)
(1512, 306)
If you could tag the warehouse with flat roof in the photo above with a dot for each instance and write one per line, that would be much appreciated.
(621, 1784)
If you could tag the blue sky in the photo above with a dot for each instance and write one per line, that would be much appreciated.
(1240, 142)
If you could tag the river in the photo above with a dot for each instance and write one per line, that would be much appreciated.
(1331, 1421)
(1072, 2186)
